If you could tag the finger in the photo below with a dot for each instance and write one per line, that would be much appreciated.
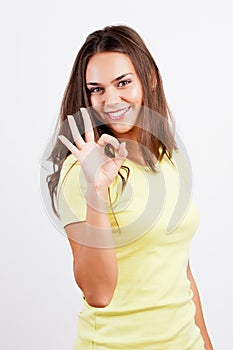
(69, 145)
(89, 134)
(75, 132)
(122, 153)
(105, 139)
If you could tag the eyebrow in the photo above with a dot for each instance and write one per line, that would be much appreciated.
(113, 81)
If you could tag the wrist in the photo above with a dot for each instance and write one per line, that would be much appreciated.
(97, 198)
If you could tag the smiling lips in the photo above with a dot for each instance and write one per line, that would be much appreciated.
(118, 115)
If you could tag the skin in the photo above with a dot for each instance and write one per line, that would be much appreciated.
(99, 171)
(115, 87)
(116, 93)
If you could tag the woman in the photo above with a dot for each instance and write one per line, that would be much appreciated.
(116, 185)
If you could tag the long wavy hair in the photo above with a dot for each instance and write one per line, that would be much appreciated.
(155, 136)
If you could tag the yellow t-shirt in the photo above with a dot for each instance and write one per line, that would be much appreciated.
(152, 305)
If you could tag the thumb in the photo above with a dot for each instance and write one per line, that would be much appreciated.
(121, 154)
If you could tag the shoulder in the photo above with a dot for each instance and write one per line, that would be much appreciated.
(71, 178)
(70, 166)
(71, 192)
(69, 162)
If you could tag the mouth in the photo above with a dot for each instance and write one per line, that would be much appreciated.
(118, 115)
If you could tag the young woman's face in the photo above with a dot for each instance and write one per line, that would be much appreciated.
(115, 92)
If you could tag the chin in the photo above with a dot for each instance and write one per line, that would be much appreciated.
(123, 131)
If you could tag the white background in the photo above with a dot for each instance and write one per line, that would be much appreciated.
(192, 45)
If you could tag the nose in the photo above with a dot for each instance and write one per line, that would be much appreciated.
(111, 96)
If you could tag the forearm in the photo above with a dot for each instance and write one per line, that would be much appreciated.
(96, 264)
(92, 244)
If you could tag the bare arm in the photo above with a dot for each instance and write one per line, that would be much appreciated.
(199, 317)
(95, 264)
(95, 268)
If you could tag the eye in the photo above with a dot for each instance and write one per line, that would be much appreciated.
(123, 83)
(96, 90)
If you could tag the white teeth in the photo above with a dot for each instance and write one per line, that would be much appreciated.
(117, 114)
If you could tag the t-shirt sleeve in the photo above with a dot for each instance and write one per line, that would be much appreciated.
(71, 192)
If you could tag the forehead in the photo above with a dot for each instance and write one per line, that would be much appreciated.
(106, 66)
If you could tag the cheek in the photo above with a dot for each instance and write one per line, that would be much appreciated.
(98, 108)
(135, 95)
(94, 101)
(97, 100)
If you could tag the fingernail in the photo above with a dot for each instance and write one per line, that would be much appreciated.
(117, 144)
(61, 138)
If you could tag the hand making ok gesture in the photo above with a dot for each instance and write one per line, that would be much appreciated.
(98, 168)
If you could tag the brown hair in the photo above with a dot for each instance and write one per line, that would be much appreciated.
(154, 131)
